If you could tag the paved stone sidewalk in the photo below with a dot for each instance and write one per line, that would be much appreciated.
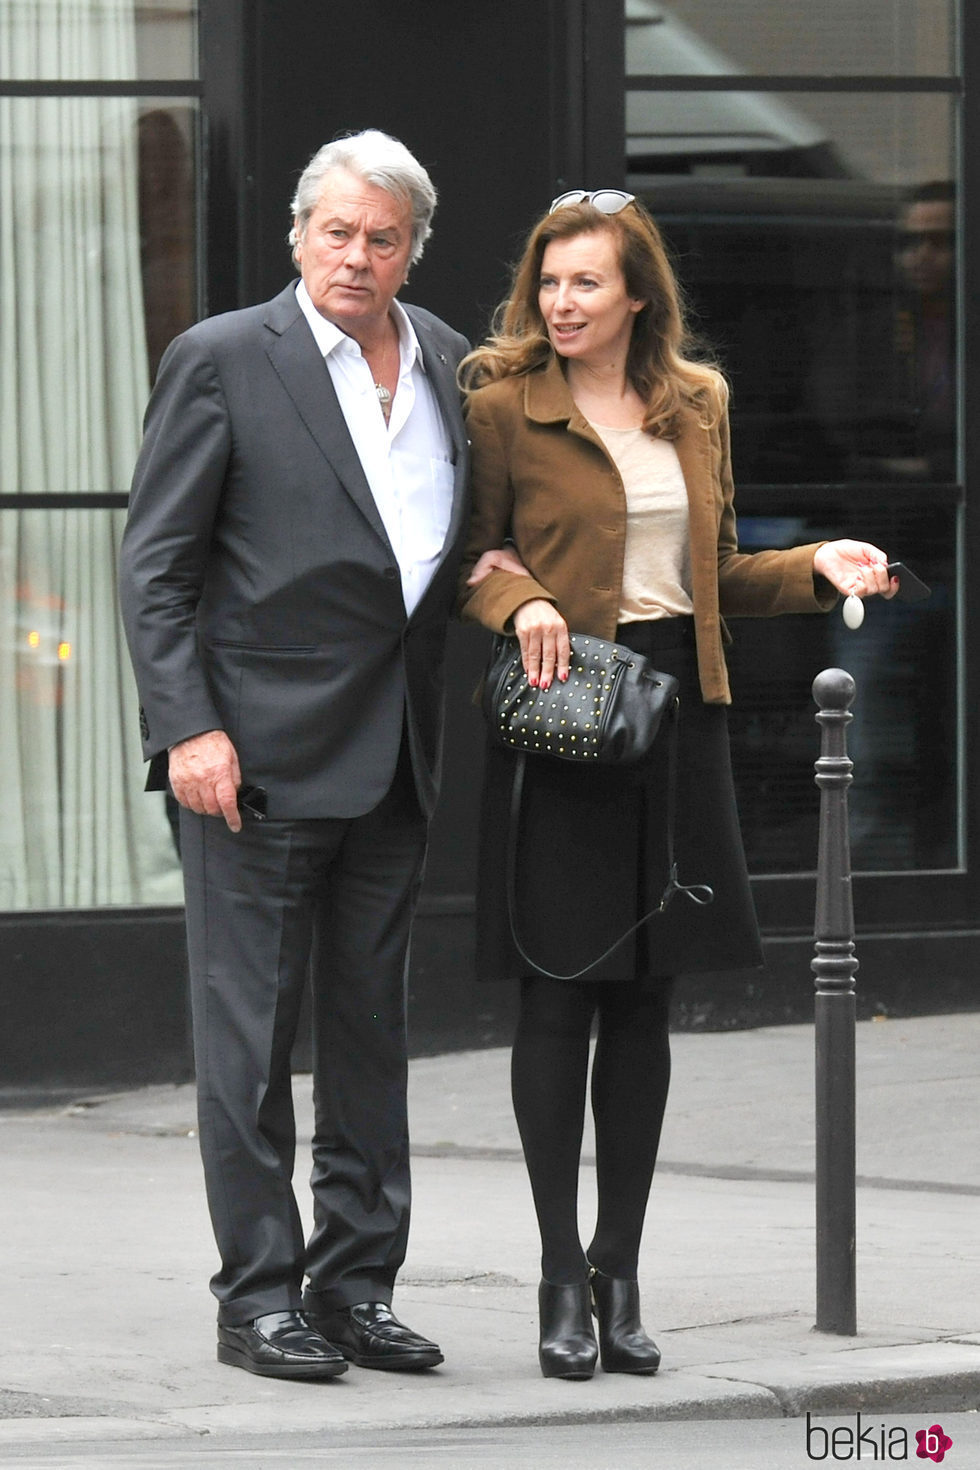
(107, 1252)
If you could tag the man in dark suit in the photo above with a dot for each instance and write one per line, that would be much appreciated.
(287, 574)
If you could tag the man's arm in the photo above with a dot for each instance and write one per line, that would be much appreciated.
(174, 500)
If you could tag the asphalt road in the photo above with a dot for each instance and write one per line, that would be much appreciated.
(719, 1444)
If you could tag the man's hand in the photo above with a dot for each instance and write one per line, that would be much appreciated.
(543, 636)
(205, 776)
(503, 559)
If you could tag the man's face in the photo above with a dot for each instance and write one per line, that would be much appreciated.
(927, 247)
(354, 253)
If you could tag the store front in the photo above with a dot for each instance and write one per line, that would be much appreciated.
(809, 167)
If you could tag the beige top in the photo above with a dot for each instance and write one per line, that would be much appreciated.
(657, 564)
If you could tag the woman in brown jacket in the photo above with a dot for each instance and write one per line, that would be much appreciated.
(601, 451)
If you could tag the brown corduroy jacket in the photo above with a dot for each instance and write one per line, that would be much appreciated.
(541, 476)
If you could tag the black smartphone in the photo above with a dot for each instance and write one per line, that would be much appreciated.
(910, 587)
(252, 799)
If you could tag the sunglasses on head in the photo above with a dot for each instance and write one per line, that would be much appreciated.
(606, 201)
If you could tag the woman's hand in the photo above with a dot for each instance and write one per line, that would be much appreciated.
(855, 567)
(503, 559)
(543, 635)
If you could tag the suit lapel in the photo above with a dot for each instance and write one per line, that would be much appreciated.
(441, 373)
(303, 373)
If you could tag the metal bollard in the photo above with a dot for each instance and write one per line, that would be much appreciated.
(834, 964)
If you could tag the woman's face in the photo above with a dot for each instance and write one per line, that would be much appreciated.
(583, 300)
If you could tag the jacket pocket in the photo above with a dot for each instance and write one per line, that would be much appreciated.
(262, 647)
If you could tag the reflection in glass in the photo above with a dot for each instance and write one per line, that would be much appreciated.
(829, 299)
(789, 37)
(815, 234)
(882, 383)
(166, 144)
(881, 138)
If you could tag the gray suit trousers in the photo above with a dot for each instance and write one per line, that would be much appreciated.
(332, 898)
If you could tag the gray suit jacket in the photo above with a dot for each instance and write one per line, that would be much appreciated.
(259, 590)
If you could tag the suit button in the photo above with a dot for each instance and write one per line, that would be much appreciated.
(391, 573)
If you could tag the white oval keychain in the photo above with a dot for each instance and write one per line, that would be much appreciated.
(853, 613)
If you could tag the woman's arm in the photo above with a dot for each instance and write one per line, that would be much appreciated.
(798, 579)
(494, 598)
(496, 587)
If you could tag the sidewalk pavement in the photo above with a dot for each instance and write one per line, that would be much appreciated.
(109, 1325)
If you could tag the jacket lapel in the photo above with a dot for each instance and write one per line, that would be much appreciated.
(693, 450)
(441, 373)
(303, 373)
(547, 400)
(693, 446)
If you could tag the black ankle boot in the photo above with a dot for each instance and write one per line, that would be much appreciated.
(568, 1347)
(623, 1344)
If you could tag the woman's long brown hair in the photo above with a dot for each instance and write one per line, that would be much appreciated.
(658, 364)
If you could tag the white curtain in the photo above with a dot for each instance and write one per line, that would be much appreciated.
(76, 829)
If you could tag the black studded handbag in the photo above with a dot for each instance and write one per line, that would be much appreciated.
(610, 711)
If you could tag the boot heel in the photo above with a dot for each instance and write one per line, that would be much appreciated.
(624, 1347)
(567, 1347)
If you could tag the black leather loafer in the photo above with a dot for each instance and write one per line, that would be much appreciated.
(279, 1345)
(372, 1337)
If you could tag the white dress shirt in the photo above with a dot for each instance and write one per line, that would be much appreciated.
(408, 461)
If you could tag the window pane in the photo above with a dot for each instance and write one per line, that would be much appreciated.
(98, 40)
(166, 39)
(880, 137)
(109, 184)
(815, 234)
(830, 300)
(78, 829)
(787, 37)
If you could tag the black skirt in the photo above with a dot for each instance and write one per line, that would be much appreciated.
(592, 854)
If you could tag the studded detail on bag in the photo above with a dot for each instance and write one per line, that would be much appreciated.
(609, 709)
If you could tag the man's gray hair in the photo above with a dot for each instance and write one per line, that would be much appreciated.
(377, 159)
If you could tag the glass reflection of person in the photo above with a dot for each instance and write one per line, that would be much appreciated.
(925, 327)
(883, 384)
(896, 739)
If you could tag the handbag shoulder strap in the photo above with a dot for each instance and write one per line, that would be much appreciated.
(699, 893)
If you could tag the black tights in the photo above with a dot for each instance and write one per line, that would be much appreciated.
(630, 1078)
